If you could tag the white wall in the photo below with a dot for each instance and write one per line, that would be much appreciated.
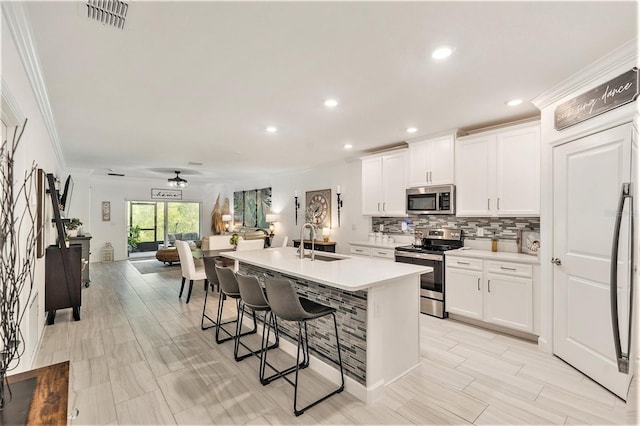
(93, 190)
(37, 147)
(347, 174)
(90, 191)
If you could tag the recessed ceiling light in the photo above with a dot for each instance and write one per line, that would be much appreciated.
(412, 129)
(514, 102)
(348, 146)
(442, 52)
(272, 129)
(331, 103)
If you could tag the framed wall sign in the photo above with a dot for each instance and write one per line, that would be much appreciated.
(106, 211)
(166, 194)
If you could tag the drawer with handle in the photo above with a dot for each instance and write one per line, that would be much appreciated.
(464, 263)
(510, 268)
(384, 253)
(361, 251)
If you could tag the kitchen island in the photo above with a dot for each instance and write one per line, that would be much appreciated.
(377, 307)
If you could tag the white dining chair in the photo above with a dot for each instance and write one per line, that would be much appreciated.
(279, 241)
(245, 245)
(189, 270)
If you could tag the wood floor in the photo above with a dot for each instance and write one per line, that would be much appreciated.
(138, 356)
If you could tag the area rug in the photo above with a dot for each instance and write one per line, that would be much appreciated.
(152, 266)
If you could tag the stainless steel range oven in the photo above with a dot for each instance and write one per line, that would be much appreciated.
(430, 252)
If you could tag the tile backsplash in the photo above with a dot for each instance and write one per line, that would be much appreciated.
(505, 228)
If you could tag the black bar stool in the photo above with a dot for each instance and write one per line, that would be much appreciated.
(286, 304)
(210, 271)
(229, 288)
(252, 297)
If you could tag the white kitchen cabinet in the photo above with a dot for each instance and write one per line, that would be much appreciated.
(493, 291)
(384, 184)
(387, 253)
(431, 161)
(508, 301)
(498, 173)
(463, 292)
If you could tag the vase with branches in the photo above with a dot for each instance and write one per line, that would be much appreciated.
(18, 238)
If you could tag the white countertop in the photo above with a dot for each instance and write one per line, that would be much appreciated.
(498, 255)
(377, 245)
(352, 273)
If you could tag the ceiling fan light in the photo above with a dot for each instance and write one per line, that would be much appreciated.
(177, 182)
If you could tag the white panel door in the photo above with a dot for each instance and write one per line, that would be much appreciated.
(441, 161)
(588, 176)
(518, 172)
(371, 185)
(475, 176)
(394, 185)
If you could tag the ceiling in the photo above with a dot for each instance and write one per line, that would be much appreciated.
(188, 82)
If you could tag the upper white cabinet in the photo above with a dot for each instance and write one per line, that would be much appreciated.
(431, 161)
(498, 173)
(384, 184)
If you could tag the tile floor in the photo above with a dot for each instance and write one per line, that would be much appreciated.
(138, 356)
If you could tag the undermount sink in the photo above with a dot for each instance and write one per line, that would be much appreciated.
(324, 258)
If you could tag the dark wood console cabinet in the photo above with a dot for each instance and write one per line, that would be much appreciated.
(59, 292)
(329, 246)
(85, 242)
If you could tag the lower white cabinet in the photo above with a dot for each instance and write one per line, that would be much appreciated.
(372, 251)
(496, 292)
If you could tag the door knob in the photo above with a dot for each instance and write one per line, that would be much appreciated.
(556, 261)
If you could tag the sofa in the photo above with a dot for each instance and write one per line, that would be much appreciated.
(215, 242)
(183, 236)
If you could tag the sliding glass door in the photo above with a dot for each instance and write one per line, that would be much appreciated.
(152, 224)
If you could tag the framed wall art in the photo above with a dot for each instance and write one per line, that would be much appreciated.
(529, 242)
(106, 211)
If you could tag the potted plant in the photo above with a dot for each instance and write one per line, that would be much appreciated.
(73, 226)
(234, 239)
(133, 238)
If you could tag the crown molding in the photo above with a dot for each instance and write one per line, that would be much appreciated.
(19, 24)
(11, 113)
(624, 56)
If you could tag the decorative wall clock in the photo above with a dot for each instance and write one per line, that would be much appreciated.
(318, 206)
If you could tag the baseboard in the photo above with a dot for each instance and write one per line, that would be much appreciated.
(505, 330)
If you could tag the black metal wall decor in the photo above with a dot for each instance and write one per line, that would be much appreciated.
(607, 96)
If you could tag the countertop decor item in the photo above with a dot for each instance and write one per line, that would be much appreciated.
(529, 242)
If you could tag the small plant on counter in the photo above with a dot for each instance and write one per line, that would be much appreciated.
(74, 224)
(234, 239)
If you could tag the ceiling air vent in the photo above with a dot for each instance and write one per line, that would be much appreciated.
(108, 12)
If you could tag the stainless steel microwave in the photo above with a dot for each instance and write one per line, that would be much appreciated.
(432, 200)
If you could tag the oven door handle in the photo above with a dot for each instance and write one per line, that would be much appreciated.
(419, 256)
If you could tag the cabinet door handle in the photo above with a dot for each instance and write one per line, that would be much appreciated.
(478, 284)
(430, 175)
(498, 203)
(489, 286)
(462, 263)
(384, 207)
(359, 250)
(382, 253)
(426, 176)
(508, 269)
(378, 206)
(488, 203)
